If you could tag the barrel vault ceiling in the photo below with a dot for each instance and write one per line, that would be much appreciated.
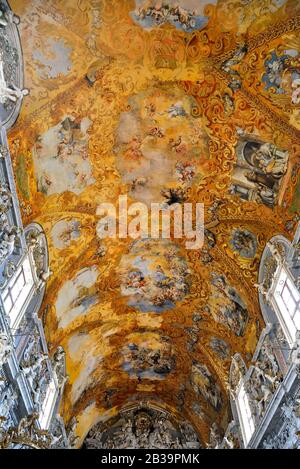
(125, 103)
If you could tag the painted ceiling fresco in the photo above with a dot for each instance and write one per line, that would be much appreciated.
(161, 101)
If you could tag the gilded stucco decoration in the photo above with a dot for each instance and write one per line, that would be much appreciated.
(161, 101)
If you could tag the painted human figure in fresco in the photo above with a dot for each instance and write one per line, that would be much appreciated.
(86, 297)
(135, 280)
(259, 171)
(149, 356)
(134, 151)
(176, 110)
(267, 158)
(244, 242)
(220, 347)
(282, 76)
(186, 172)
(271, 161)
(153, 278)
(64, 149)
(260, 179)
(227, 306)
(205, 384)
(274, 68)
(296, 91)
(150, 13)
(72, 231)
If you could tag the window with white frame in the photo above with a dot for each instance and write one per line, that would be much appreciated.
(287, 298)
(47, 406)
(17, 291)
(245, 414)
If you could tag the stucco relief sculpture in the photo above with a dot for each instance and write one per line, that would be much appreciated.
(59, 366)
(264, 380)
(232, 437)
(215, 437)
(288, 436)
(26, 435)
(59, 439)
(144, 428)
(6, 348)
(71, 432)
(237, 371)
(3, 152)
(36, 242)
(34, 366)
(8, 233)
(8, 240)
(8, 399)
(12, 92)
(5, 198)
(8, 17)
(275, 259)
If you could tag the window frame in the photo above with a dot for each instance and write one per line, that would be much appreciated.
(245, 415)
(288, 320)
(15, 296)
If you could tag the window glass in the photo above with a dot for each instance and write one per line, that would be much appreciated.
(47, 405)
(287, 299)
(8, 303)
(247, 422)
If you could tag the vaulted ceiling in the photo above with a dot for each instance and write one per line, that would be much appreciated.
(128, 102)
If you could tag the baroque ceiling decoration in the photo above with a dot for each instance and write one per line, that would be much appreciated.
(184, 101)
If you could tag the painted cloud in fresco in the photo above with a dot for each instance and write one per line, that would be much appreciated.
(205, 384)
(64, 232)
(148, 355)
(160, 145)
(76, 296)
(63, 149)
(186, 15)
(55, 62)
(154, 275)
(81, 352)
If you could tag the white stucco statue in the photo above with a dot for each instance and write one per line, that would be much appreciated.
(7, 93)
(5, 348)
(8, 17)
(9, 399)
(3, 20)
(275, 253)
(263, 291)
